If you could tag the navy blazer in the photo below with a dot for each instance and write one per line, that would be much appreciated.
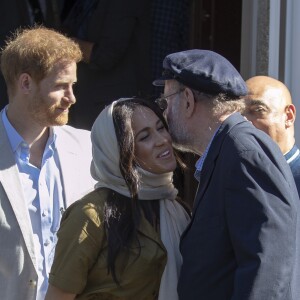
(242, 242)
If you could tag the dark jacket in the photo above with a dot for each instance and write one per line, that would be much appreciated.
(242, 242)
(120, 61)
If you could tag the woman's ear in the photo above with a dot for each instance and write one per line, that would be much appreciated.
(290, 111)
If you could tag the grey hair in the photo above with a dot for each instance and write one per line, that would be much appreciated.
(221, 103)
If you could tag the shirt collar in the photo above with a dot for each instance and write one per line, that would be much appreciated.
(52, 138)
(200, 161)
(15, 138)
(292, 154)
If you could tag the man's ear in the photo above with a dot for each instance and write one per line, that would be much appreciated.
(190, 104)
(25, 83)
(290, 111)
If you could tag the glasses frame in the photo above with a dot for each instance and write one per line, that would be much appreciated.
(162, 102)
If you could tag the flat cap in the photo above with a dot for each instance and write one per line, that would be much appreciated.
(203, 70)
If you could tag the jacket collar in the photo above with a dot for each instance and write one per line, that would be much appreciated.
(213, 154)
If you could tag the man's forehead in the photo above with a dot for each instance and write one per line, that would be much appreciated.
(270, 96)
(271, 105)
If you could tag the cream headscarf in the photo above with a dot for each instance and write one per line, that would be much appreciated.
(173, 217)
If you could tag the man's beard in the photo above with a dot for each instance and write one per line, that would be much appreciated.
(181, 138)
(46, 115)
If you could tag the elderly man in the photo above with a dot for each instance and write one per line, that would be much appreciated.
(242, 242)
(44, 164)
(269, 107)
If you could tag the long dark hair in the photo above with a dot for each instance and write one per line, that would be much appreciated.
(122, 218)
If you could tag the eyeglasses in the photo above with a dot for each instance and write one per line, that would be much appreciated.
(162, 102)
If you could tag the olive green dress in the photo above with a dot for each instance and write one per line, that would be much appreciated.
(80, 265)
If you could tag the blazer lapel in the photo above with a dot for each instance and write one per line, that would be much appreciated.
(210, 161)
(208, 168)
(204, 180)
(10, 181)
(70, 171)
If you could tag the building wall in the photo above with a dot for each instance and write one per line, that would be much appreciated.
(292, 57)
(270, 44)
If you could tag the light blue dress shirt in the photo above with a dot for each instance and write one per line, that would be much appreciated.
(44, 195)
(200, 161)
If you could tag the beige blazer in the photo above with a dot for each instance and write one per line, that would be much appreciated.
(18, 276)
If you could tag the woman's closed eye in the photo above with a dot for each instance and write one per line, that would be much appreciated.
(161, 127)
(143, 136)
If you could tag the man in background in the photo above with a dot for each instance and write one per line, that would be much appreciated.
(270, 108)
(114, 37)
(44, 164)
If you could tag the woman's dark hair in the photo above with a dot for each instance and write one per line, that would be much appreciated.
(122, 218)
(122, 116)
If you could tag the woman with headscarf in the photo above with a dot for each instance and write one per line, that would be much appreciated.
(121, 241)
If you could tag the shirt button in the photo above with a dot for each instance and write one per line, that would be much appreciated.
(44, 213)
(46, 243)
(32, 283)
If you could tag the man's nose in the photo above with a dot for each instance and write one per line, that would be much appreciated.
(70, 96)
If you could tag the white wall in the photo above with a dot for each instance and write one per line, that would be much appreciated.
(283, 42)
(292, 57)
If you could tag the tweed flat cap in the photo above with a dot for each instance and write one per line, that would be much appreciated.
(203, 70)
